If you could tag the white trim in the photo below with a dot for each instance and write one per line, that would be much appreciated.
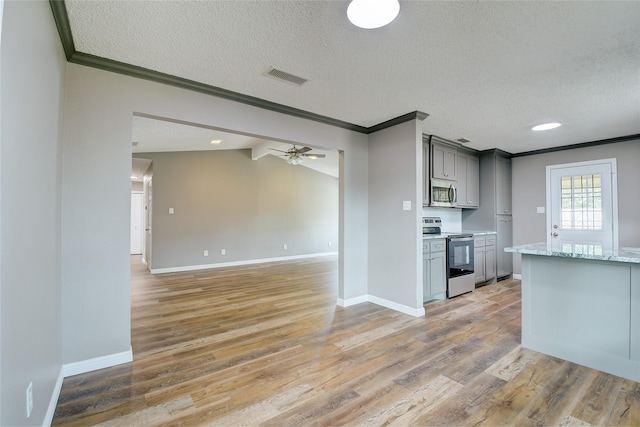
(76, 368)
(517, 276)
(53, 402)
(352, 301)
(415, 312)
(236, 263)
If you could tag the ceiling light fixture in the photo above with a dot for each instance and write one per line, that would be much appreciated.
(294, 160)
(134, 177)
(369, 14)
(216, 141)
(547, 126)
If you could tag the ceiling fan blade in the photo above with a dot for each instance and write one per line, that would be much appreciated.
(314, 156)
(274, 149)
(304, 149)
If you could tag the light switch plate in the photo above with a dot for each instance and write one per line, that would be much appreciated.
(170, 211)
(540, 209)
(406, 205)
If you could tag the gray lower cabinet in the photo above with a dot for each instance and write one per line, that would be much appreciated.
(484, 251)
(434, 269)
(505, 239)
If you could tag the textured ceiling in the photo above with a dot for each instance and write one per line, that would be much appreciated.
(154, 134)
(485, 71)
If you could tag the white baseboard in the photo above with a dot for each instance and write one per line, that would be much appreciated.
(352, 301)
(48, 417)
(236, 263)
(76, 368)
(517, 276)
(415, 312)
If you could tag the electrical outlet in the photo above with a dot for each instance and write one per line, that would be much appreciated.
(285, 246)
(29, 399)
(206, 252)
(329, 244)
(223, 251)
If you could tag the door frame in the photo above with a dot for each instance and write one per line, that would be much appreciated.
(614, 193)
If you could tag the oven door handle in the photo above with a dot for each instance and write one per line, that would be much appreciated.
(461, 239)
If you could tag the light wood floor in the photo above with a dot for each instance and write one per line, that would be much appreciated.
(266, 344)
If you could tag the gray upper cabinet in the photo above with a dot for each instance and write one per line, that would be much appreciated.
(468, 180)
(425, 173)
(503, 186)
(494, 212)
(444, 163)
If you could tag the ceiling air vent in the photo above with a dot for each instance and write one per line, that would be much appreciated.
(463, 140)
(134, 143)
(287, 77)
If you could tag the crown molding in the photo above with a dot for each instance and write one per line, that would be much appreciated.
(64, 30)
(415, 115)
(580, 145)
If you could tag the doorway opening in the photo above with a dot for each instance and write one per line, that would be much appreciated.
(253, 206)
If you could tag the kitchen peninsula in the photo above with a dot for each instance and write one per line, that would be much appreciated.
(582, 303)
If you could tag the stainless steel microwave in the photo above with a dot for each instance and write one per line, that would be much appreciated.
(443, 193)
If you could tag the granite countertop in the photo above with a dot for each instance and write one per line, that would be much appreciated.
(445, 234)
(478, 232)
(580, 251)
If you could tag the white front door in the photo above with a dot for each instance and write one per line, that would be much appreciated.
(136, 223)
(582, 206)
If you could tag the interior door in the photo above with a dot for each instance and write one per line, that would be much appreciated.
(582, 206)
(136, 223)
(148, 222)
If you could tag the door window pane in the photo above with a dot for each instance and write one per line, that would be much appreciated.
(581, 200)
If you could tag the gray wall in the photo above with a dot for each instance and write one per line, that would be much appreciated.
(529, 187)
(32, 80)
(395, 243)
(251, 208)
(96, 194)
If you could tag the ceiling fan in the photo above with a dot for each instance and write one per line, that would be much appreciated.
(294, 155)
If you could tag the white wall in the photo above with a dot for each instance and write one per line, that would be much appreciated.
(32, 80)
(451, 217)
(96, 194)
(395, 240)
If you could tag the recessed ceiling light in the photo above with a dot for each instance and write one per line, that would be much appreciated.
(134, 177)
(369, 14)
(216, 141)
(547, 126)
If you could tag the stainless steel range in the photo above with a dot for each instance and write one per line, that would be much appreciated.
(460, 274)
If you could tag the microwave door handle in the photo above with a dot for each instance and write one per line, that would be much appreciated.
(451, 193)
(455, 194)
